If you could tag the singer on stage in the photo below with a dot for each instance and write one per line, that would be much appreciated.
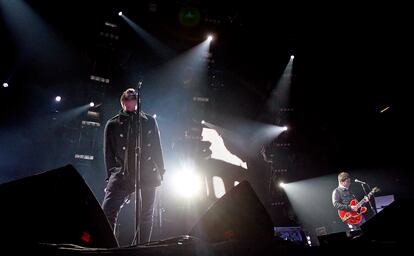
(120, 141)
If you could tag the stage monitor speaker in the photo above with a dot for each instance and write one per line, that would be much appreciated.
(56, 206)
(339, 238)
(239, 214)
(392, 224)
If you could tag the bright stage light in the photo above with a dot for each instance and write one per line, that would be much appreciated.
(154, 116)
(120, 13)
(281, 184)
(187, 183)
(92, 104)
(292, 57)
(210, 38)
(5, 85)
(285, 128)
(58, 98)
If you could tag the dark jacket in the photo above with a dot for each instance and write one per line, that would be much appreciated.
(341, 197)
(115, 144)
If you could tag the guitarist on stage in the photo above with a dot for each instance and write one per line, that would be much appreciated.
(342, 196)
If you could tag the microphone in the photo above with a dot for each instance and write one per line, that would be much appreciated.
(356, 180)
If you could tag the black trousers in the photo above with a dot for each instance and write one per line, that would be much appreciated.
(118, 188)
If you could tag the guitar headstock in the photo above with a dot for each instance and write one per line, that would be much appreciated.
(374, 190)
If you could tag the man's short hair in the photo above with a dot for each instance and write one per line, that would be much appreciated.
(128, 94)
(343, 176)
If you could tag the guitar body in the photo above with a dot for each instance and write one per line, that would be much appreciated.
(352, 217)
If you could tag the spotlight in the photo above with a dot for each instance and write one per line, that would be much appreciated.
(154, 116)
(203, 122)
(210, 38)
(120, 13)
(285, 128)
(92, 104)
(281, 184)
(58, 98)
(292, 57)
(5, 85)
(187, 183)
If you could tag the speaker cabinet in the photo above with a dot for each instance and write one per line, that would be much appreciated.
(392, 224)
(56, 206)
(239, 214)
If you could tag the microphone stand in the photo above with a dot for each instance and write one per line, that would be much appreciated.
(138, 198)
(269, 164)
(372, 208)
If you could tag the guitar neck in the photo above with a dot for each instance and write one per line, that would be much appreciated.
(360, 203)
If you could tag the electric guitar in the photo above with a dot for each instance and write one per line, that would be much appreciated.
(355, 217)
